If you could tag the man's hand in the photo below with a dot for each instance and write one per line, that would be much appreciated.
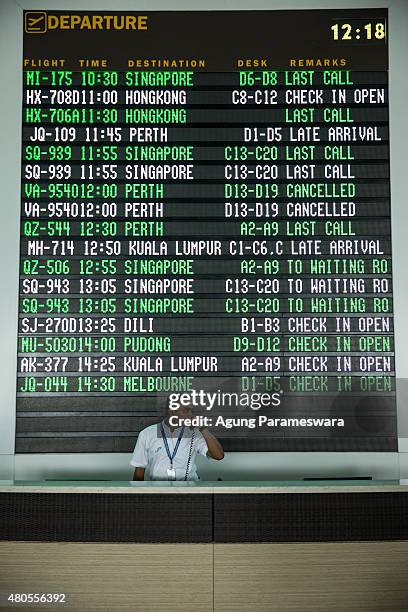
(139, 473)
(215, 450)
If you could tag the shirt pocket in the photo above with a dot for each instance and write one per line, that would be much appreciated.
(155, 451)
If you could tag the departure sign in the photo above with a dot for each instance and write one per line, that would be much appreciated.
(205, 219)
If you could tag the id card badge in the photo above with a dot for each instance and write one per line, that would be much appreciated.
(171, 474)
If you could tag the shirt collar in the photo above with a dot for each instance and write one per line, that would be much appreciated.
(175, 433)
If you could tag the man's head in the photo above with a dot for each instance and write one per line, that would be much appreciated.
(181, 412)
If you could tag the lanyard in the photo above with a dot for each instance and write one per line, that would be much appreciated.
(166, 444)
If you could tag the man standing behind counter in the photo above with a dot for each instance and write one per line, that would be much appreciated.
(170, 451)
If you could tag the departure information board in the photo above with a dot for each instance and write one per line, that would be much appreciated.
(205, 217)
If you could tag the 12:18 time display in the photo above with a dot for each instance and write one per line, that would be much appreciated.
(357, 31)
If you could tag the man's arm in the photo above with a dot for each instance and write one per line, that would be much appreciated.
(140, 458)
(139, 473)
(215, 449)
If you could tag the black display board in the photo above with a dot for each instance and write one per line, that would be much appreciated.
(205, 209)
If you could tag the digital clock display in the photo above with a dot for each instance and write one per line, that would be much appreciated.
(373, 31)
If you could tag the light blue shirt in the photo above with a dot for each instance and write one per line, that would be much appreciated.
(150, 451)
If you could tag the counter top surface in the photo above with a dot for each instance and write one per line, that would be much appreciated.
(206, 487)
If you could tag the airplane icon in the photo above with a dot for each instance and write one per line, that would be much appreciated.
(35, 22)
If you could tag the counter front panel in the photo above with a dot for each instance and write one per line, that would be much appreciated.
(93, 517)
(203, 512)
